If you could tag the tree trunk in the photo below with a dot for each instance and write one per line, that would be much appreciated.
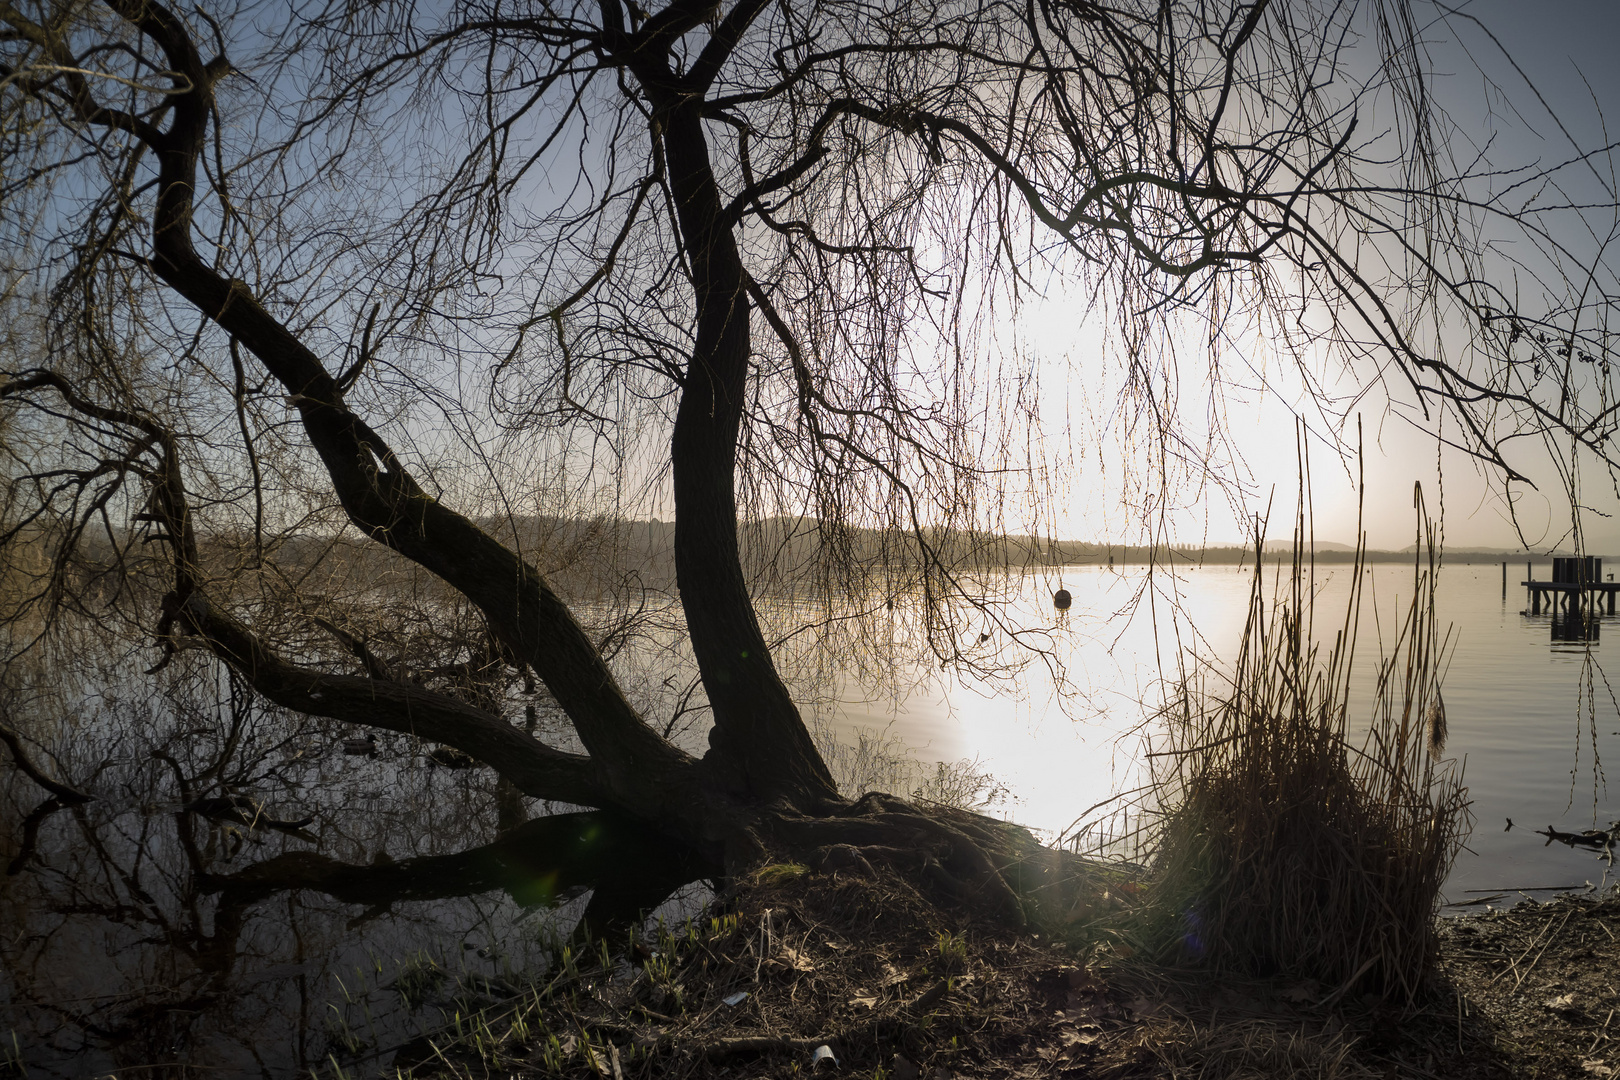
(763, 789)
(759, 746)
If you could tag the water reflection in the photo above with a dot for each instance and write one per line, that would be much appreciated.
(538, 863)
(1576, 624)
(245, 898)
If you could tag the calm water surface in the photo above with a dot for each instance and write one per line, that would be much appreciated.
(143, 938)
(1532, 720)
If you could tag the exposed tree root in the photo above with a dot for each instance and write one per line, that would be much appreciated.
(961, 859)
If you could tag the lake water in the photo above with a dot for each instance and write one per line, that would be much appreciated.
(1532, 719)
(138, 933)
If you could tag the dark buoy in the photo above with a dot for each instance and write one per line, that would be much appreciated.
(1061, 599)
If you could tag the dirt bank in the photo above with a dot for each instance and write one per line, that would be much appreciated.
(895, 989)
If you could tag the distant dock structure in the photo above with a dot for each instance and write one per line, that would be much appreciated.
(1577, 584)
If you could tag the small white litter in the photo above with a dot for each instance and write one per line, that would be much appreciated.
(822, 1053)
(734, 999)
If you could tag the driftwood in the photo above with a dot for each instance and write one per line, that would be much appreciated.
(1600, 840)
(30, 833)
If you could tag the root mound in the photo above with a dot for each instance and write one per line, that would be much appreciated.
(859, 961)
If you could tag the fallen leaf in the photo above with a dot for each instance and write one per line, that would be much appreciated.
(1071, 1037)
(932, 996)
(864, 1001)
(1300, 992)
(796, 960)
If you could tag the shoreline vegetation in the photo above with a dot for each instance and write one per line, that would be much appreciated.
(1273, 914)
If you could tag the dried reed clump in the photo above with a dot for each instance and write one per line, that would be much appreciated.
(1281, 846)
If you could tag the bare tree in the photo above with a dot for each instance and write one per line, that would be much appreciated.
(763, 253)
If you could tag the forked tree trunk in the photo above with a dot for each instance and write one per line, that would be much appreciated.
(763, 787)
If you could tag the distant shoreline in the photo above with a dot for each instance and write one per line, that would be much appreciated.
(1237, 556)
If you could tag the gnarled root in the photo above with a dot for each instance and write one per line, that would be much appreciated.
(961, 858)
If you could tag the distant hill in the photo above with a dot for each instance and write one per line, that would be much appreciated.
(1506, 553)
(1284, 546)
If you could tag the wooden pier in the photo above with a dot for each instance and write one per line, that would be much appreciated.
(1577, 584)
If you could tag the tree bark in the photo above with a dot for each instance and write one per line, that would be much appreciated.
(759, 746)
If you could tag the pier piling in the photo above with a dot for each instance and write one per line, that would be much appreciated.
(1576, 586)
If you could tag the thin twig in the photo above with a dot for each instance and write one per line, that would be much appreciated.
(1544, 948)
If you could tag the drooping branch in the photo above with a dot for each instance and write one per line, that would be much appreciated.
(374, 487)
(536, 769)
(378, 701)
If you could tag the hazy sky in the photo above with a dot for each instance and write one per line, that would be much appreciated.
(1566, 48)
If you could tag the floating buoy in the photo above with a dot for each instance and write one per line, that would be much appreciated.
(1061, 599)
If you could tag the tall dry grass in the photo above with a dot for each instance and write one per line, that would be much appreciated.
(1283, 845)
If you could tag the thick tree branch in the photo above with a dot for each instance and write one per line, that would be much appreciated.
(379, 495)
(537, 770)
